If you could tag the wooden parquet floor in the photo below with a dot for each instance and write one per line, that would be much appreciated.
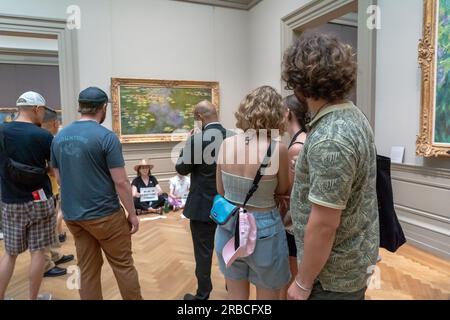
(163, 255)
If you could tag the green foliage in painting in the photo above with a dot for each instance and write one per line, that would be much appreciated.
(149, 110)
(442, 119)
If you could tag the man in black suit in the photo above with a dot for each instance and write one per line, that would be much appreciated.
(198, 158)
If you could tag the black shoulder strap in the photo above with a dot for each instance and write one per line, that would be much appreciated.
(294, 138)
(259, 175)
(3, 156)
(2, 139)
(264, 164)
(298, 142)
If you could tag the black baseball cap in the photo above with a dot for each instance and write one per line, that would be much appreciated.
(93, 95)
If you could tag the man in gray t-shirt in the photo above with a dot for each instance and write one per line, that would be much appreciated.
(88, 160)
(84, 153)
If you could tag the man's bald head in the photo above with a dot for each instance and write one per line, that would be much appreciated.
(206, 112)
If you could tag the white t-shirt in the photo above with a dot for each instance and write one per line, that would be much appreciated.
(179, 187)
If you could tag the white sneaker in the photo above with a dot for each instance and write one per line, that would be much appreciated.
(45, 296)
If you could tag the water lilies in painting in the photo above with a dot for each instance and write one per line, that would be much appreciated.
(155, 109)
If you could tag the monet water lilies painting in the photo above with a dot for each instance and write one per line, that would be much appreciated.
(434, 58)
(157, 110)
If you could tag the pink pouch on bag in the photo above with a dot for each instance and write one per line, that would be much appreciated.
(247, 239)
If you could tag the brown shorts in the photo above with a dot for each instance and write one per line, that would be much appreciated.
(28, 225)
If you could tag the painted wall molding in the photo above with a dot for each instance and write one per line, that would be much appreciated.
(424, 214)
(426, 224)
(226, 3)
(27, 59)
(426, 171)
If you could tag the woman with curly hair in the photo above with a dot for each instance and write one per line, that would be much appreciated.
(261, 117)
(333, 202)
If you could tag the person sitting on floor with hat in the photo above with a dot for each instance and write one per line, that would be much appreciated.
(141, 184)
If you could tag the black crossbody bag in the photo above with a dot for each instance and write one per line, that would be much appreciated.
(26, 177)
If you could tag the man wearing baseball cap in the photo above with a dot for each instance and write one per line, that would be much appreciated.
(29, 218)
(89, 163)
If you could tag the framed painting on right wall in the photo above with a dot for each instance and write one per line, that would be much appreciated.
(434, 58)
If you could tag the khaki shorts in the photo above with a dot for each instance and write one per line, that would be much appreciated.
(28, 225)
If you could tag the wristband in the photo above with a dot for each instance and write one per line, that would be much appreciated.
(302, 287)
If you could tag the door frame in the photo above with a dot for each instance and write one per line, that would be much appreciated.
(67, 54)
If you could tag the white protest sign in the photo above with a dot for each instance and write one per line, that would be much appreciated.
(149, 194)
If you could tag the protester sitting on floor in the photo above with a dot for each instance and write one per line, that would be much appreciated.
(145, 180)
(179, 188)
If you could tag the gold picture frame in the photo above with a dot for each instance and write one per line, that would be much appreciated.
(428, 145)
(8, 114)
(150, 110)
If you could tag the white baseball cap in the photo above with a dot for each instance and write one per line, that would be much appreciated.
(30, 98)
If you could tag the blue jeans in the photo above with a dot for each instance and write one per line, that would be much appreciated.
(268, 266)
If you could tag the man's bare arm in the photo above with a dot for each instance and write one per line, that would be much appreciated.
(123, 188)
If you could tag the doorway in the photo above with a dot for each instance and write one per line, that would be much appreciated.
(44, 48)
(28, 62)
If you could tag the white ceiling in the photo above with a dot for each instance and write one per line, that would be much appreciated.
(236, 4)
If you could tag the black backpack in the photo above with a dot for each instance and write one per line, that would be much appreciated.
(25, 177)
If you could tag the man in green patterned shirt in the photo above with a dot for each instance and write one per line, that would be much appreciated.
(333, 202)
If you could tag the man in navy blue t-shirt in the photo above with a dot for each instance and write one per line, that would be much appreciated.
(88, 160)
(28, 221)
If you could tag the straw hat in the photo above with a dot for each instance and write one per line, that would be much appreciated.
(143, 163)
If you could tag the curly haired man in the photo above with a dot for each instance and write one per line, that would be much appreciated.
(333, 202)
